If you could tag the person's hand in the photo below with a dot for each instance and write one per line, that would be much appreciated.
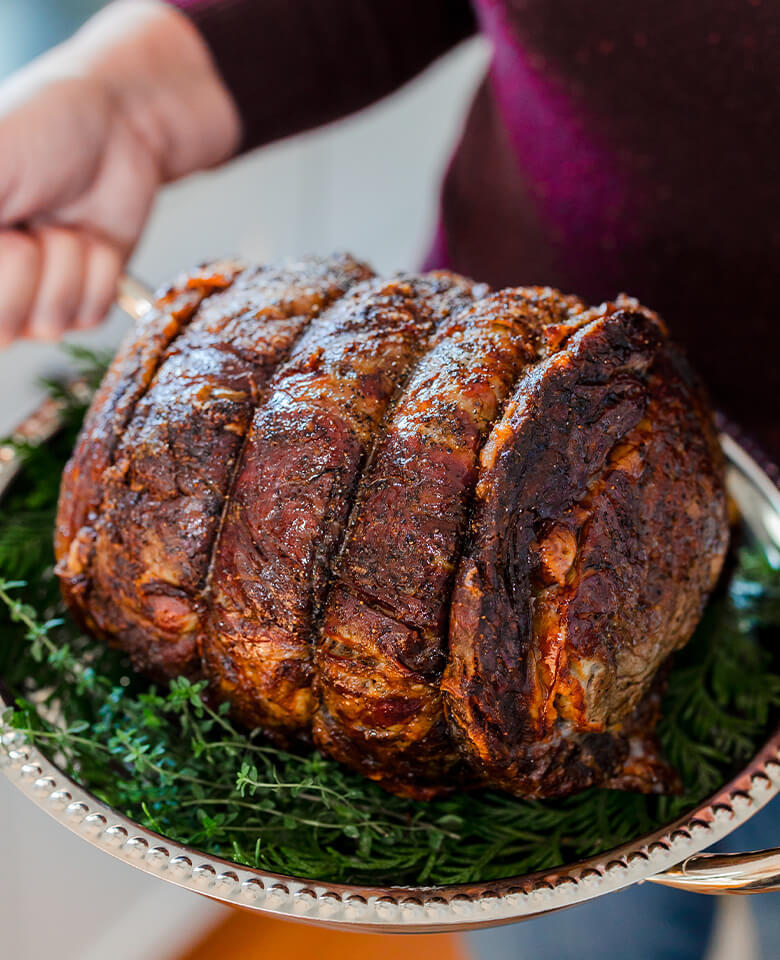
(76, 183)
(87, 135)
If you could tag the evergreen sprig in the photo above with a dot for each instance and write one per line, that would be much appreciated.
(169, 760)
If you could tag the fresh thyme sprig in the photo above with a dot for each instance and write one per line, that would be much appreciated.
(171, 761)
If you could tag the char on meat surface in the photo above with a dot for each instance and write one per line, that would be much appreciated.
(594, 545)
(449, 536)
(294, 489)
(383, 645)
(123, 386)
(164, 490)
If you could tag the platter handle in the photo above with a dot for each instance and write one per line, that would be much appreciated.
(756, 872)
(134, 297)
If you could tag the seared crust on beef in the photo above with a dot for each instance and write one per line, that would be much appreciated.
(125, 383)
(293, 492)
(383, 645)
(585, 568)
(164, 495)
(453, 537)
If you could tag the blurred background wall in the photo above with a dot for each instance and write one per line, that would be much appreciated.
(370, 185)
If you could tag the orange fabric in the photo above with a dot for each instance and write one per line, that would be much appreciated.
(246, 936)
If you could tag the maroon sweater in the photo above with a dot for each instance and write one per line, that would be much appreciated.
(613, 146)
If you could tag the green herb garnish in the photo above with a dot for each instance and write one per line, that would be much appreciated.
(171, 762)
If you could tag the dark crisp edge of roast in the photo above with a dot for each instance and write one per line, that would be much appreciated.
(569, 414)
(126, 381)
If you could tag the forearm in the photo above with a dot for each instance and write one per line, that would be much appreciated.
(294, 64)
(158, 68)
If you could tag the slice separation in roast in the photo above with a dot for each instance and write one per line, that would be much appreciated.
(164, 495)
(384, 637)
(295, 485)
(126, 381)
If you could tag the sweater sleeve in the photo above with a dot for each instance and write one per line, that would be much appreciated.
(294, 64)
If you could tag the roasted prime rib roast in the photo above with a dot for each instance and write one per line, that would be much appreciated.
(450, 537)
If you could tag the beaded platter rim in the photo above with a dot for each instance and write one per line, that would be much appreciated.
(409, 908)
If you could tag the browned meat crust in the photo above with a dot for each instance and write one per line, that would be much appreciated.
(383, 645)
(125, 383)
(452, 537)
(294, 488)
(598, 530)
(164, 495)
